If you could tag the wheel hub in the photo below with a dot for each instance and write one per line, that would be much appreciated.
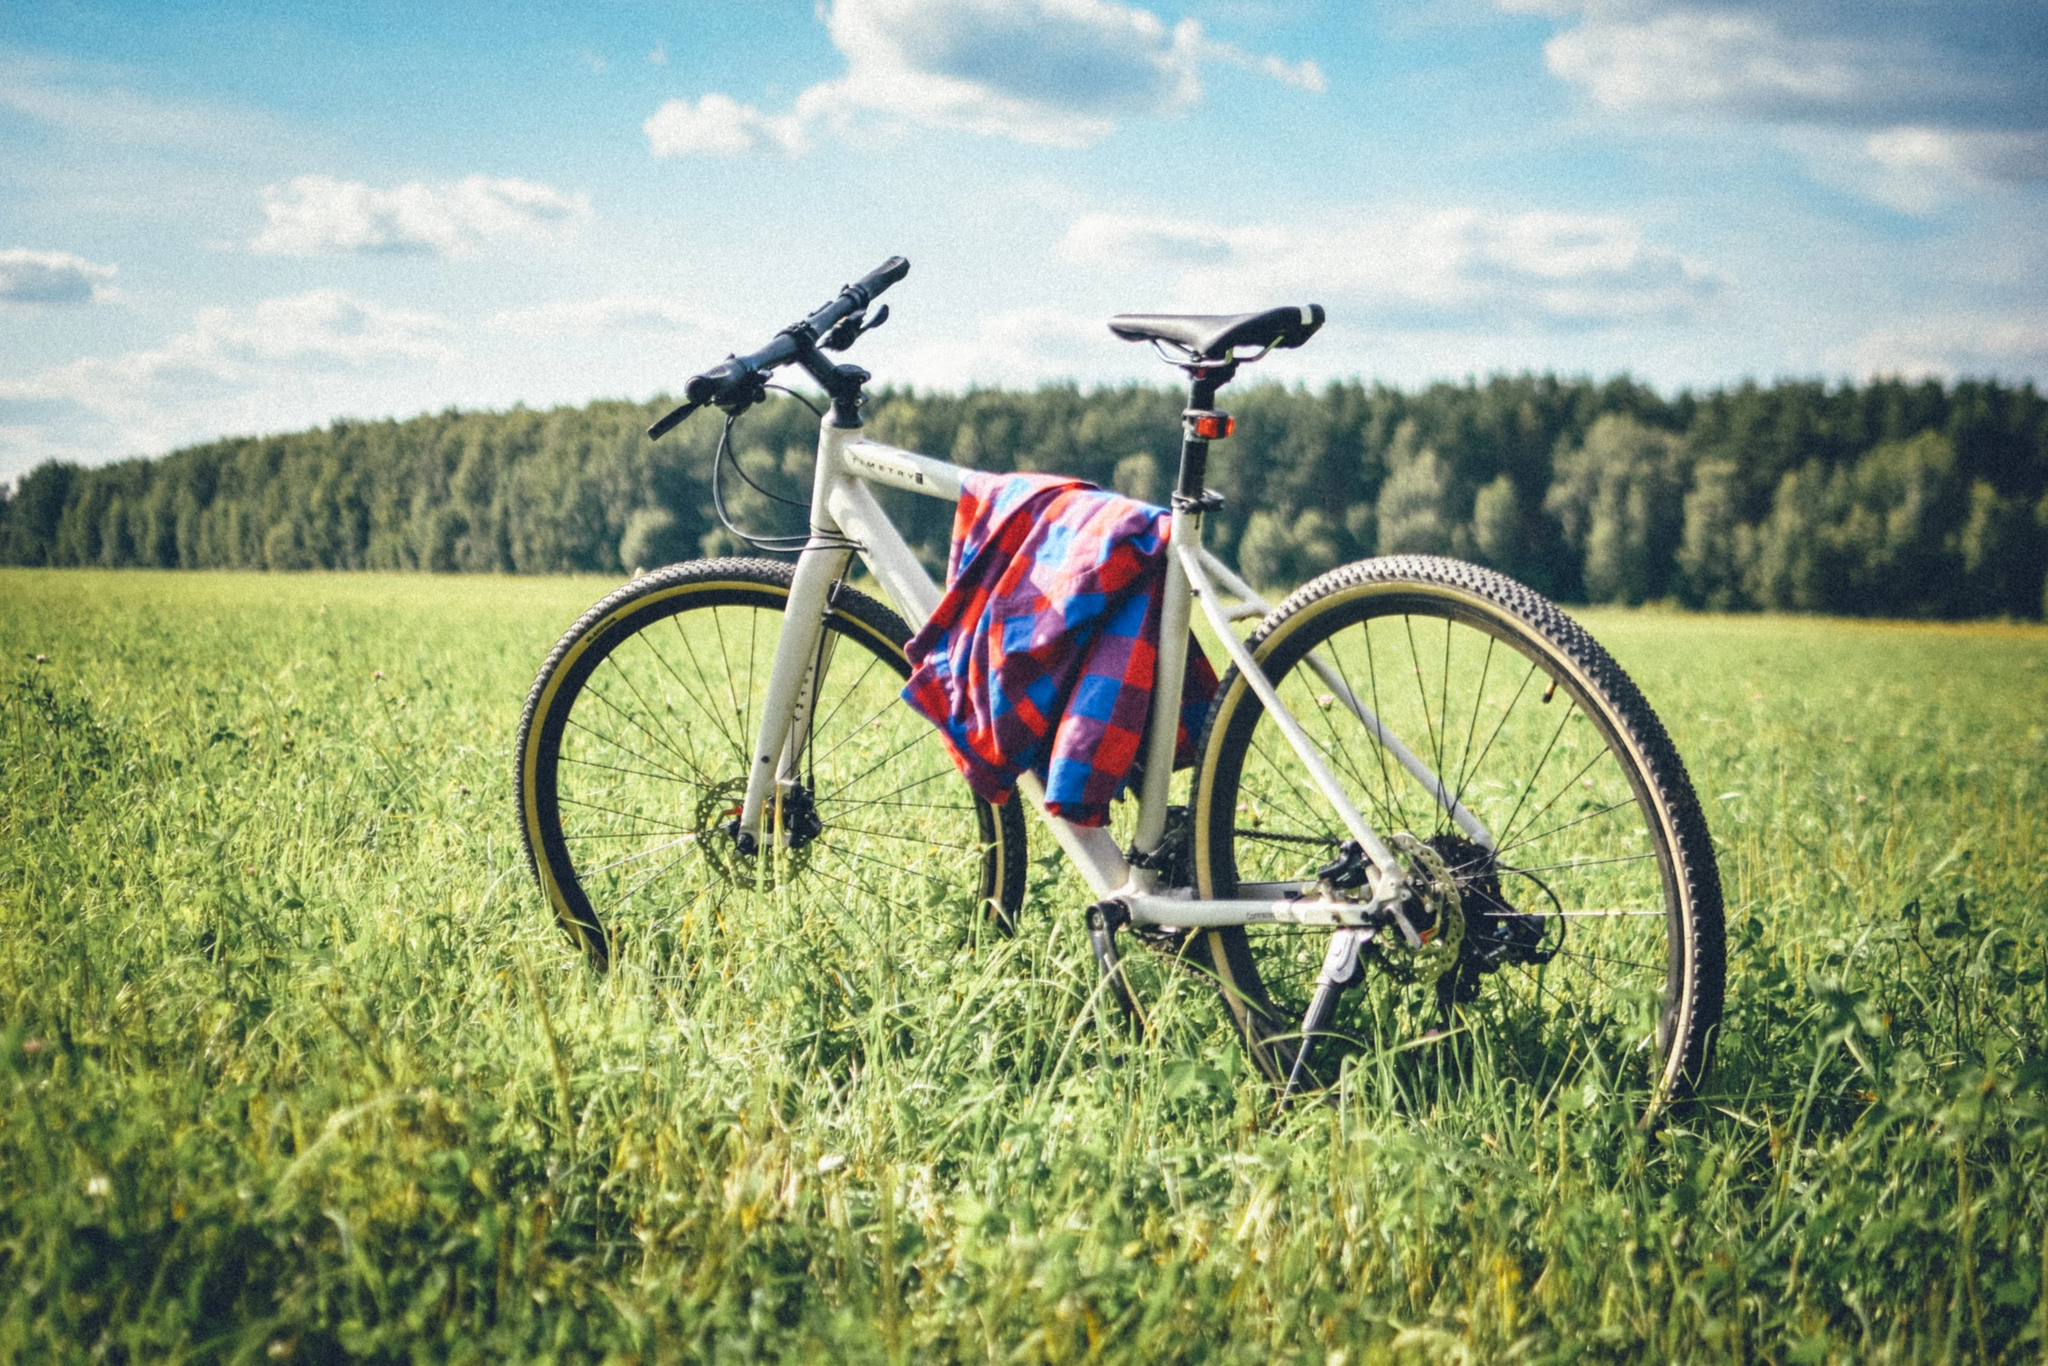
(1432, 905)
(735, 855)
(1496, 932)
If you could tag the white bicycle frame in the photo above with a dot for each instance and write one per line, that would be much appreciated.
(844, 511)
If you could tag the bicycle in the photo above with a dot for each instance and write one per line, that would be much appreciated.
(1386, 790)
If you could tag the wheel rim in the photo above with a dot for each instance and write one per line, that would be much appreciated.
(642, 764)
(1525, 741)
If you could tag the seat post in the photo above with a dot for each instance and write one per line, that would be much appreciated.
(1204, 381)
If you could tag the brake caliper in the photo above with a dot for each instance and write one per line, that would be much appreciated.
(1432, 906)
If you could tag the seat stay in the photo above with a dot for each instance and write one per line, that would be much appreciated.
(1384, 862)
(1252, 604)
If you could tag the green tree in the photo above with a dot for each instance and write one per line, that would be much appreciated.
(1417, 504)
(1279, 554)
(1716, 547)
(1620, 499)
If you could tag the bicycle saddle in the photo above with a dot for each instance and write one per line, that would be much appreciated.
(1209, 336)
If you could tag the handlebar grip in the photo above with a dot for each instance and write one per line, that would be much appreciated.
(711, 386)
(882, 276)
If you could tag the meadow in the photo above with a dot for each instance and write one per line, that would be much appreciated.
(298, 1067)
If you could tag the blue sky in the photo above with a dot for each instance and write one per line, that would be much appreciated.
(220, 219)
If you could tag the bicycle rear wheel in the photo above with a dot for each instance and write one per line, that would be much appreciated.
(633, 759)
(1591, 906)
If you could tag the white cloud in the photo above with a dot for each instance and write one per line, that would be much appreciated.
(1944, 96)
(1407, 265)
(718, 125)
(1053, 72)
(610, 315)
(1948, 346)
(283, 362)
(1705, 59)
(316, 215)
(1048, 71)
(51, 277)
(1973, 156)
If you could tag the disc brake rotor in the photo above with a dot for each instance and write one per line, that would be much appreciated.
(717, 812)
(1433, 907)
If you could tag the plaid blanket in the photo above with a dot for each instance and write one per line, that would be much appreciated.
(1041, 655)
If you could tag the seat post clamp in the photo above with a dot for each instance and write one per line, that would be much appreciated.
(1205, 502)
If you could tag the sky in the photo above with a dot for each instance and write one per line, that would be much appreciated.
(223, 219)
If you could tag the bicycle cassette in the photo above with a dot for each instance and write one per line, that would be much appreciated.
(1433, 907)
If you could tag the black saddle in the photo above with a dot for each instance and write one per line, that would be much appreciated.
(1208, 336)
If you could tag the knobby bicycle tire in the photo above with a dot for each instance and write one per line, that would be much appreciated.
(632, 761)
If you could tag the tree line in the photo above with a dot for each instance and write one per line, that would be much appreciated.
(1892, 498)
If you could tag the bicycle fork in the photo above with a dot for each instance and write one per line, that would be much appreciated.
(802, 654)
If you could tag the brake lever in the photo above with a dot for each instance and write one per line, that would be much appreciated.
(669, 423)
(744, 395)
(852, 328)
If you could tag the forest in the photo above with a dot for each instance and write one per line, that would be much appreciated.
(1893, 498)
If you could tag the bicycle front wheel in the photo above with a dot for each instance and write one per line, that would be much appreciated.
(1590, 901)
(633, 760)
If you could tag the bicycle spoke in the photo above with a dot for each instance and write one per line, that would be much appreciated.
(884, 863)
(745, 744)
(1530, 785)
(1577, 863)
(862, 888)
(1591, 815)
(688, 758)
(885, 798)
(747, 731)
(1372, 674)
(633, 891)
(1379, 807)
(841, 826)
(1306, 805)
(1421, 690)
(648, 638)
(644, 853)
(888, 708)
(613, 811)
(709, 706)
(851, 689)
(1506, 713)
(1472, 731)
(629, 772)
(904, 748)
(1537, 815)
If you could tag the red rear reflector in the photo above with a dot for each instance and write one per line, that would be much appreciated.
(1215, 426)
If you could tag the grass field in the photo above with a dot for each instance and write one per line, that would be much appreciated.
(298, 1067)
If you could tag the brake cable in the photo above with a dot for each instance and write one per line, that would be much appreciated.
(773, 545)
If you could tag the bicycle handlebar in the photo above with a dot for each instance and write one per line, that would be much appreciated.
(738, 378)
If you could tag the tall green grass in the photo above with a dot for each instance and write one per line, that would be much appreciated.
(297, 1067)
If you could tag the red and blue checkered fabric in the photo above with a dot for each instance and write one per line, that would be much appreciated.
(1041, 655)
